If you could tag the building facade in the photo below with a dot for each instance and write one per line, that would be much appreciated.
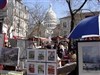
(16, 21)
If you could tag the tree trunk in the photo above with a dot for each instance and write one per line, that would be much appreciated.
(72, 22)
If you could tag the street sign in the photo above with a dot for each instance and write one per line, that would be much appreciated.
(3, 3)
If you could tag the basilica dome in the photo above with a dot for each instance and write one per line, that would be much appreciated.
(50, 18)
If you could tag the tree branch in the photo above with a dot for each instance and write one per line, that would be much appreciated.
(80, 7)
(69, 5)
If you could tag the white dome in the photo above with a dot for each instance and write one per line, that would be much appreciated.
(50, 16)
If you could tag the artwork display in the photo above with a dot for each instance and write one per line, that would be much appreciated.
(9, 56)
(41, 62)
(31, 55)
(89, 58)
(31, 68)
(41, 68)
(41, 55)
(51, 69)
(51, 55)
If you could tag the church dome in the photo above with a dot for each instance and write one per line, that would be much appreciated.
(50, 16)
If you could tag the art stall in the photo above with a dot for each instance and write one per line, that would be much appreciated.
(41, 61)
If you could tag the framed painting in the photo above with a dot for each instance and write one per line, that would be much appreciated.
(41, 69)
(88, 57)
(51, 56)
(31, 68)
(31, 55)
(41, 55)
(10, 56)
(51, 69)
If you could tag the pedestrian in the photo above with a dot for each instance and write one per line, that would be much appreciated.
(61, 52)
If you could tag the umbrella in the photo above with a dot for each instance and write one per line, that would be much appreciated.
(88, 26)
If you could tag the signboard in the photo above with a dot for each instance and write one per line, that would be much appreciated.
(3, 3)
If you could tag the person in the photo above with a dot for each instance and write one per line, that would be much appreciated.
(73, 56)
(60, 50)
(48, 46)
(55, 45)
(73, 59)
(61, 53)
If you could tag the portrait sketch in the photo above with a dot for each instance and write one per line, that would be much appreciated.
(51, 69)
(51, 56)
(31, 68)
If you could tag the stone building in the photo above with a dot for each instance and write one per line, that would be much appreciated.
(16, 20)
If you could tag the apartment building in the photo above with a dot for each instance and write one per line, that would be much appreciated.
(16, 21)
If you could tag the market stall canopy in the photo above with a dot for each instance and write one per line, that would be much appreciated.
(86, 36)
(88, 26)
(41, 38)
(57, 37)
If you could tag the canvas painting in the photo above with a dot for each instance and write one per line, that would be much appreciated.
(89, 58)
(51, 69)
(40, 68)
(51, 56)
(9, 56)
(31, 55)
(31, 68)
(41, 55)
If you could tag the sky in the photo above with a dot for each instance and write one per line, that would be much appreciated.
(60, 7)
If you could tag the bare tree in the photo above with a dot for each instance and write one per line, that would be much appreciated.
(73, 11)
(74, 7)
(36, 16)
